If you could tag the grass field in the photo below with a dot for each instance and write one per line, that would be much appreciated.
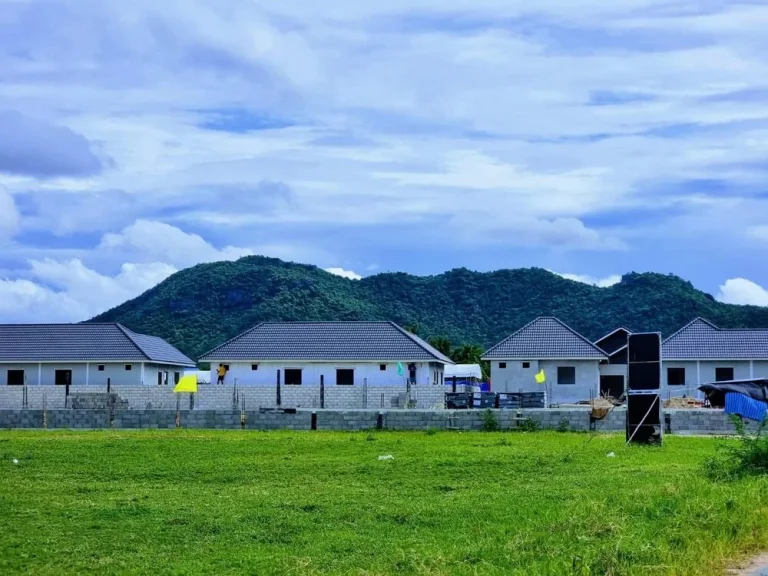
(208, 502)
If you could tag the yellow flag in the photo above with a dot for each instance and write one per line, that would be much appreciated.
(187, 384)
(541, 377)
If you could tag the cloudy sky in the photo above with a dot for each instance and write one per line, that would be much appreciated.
(590, 138)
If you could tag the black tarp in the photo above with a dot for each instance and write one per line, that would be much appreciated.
(756, 388)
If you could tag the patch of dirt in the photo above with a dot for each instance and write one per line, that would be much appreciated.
(758, 566)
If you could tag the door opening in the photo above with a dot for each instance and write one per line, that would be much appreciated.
(612, 386)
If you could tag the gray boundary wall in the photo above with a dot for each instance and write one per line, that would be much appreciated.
(678, 421)
(212, 397)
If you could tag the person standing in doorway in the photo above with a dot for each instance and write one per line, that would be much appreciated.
(222, 371)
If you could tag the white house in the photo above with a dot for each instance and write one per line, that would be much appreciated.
(570, 362)
(86, 354)
(334, 354)
(701, 353)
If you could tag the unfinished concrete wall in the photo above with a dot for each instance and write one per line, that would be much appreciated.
(679, 421)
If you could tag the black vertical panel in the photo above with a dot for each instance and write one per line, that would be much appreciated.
(644, 347)
(644, 414)
(278, 399)
(642, 404)
(644, 376)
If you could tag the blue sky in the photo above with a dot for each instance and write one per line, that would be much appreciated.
(589, 138)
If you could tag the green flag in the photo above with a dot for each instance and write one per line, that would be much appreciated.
(400, 371)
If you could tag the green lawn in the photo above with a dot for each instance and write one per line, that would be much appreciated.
(232, 502)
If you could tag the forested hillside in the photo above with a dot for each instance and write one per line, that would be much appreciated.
(199, 308)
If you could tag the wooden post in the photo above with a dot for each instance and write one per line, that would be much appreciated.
(279, 400)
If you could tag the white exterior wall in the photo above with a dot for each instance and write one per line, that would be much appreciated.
(365, 372)
(116, 372)
(614, 370)
(760, 369)
(705, 374)
(514, 378)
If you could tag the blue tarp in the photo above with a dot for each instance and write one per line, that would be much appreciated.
(744, 406)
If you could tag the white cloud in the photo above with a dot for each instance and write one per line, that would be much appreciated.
(743, 291)
(349, 274)
(69, 291)
(165, 243)
(487, 131)
(759, 232)
(9, 215)
(599, 282)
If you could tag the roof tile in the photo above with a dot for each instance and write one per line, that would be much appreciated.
(83, 343)
(366, 341)
(702, 340)
(544, 338)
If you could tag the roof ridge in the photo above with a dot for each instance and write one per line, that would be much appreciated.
(584, 338)
(325, 322)
(515, 333)
(59, 323)
(127, 332)
(691, 323)
(238, 336)
(557, 320)
(426, 346)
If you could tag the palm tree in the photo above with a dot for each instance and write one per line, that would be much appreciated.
(442, 344)
(471, 354)
(412, 327)
(467, 354)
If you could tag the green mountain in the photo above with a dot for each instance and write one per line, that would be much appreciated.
(201, 307)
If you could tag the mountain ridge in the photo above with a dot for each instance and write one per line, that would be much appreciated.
(198, 308)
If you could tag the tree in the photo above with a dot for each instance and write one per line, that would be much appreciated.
(442, 344)
(412, 327)
(467, 354)
(471, 354)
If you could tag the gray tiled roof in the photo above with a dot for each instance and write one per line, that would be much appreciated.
(357, 341)
(84, 343)
(544, 338)
(702, 340)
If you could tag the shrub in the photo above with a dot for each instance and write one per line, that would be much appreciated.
(431, 431)
(748, 455)
(490, 422)
(564, 425)
(527, 425)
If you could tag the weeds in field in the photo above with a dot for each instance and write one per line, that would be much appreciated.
(490, 422)
(564, 425)
(527, 425)
(747, 456)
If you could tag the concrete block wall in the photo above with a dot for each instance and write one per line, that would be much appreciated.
(680, 421)
(212, 397)
(11, 397)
